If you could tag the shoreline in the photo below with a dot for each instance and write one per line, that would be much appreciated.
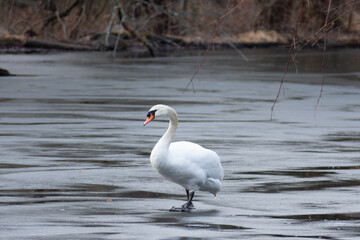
(40, 46)
(127, 46)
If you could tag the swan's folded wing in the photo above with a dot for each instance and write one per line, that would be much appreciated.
(197, 156)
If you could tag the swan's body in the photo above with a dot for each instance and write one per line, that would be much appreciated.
(185, 163)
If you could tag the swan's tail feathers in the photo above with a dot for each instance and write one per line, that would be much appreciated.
(211, 185)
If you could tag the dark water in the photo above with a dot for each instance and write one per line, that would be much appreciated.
(74, 156)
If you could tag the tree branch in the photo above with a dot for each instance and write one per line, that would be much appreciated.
(62, 24)
(60, 15)
(134, 33)
(323, 59)
(119, 33)
(219, 21)
(108, 31)
(292, 47)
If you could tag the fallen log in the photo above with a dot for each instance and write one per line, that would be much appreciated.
(36, 43)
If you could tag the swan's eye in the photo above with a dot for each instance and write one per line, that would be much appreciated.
(151, 113)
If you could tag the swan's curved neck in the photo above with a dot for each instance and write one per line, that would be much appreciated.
(165, 140)
(159, 154)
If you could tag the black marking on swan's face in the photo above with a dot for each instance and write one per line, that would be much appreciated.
(151, 113)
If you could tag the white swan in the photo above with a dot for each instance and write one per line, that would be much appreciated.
(185, 163)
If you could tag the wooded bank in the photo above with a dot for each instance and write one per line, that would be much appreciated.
(152, 26)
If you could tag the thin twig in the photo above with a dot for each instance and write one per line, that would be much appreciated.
(60, 15)
(292, 47)
(219, 21)
(314, 37)
(80, 18)
(119, 33)
(108, 31)
(237, 50)
(10, 12)
(323, 60)
(230, 11)
(62, 24)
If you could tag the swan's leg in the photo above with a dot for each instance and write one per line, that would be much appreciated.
(188, 205)
(190, 196)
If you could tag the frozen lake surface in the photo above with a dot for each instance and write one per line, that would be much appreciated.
(74, 154)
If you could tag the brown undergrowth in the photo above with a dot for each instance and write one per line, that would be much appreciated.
(176, 23)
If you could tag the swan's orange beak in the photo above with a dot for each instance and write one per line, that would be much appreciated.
(149, 118)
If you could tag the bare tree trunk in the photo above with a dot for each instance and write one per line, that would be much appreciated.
(134, 34)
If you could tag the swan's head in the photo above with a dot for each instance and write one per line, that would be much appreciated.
(157, 111)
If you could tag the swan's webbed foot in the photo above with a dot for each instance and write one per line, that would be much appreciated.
(183, 208)
(188, 206)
